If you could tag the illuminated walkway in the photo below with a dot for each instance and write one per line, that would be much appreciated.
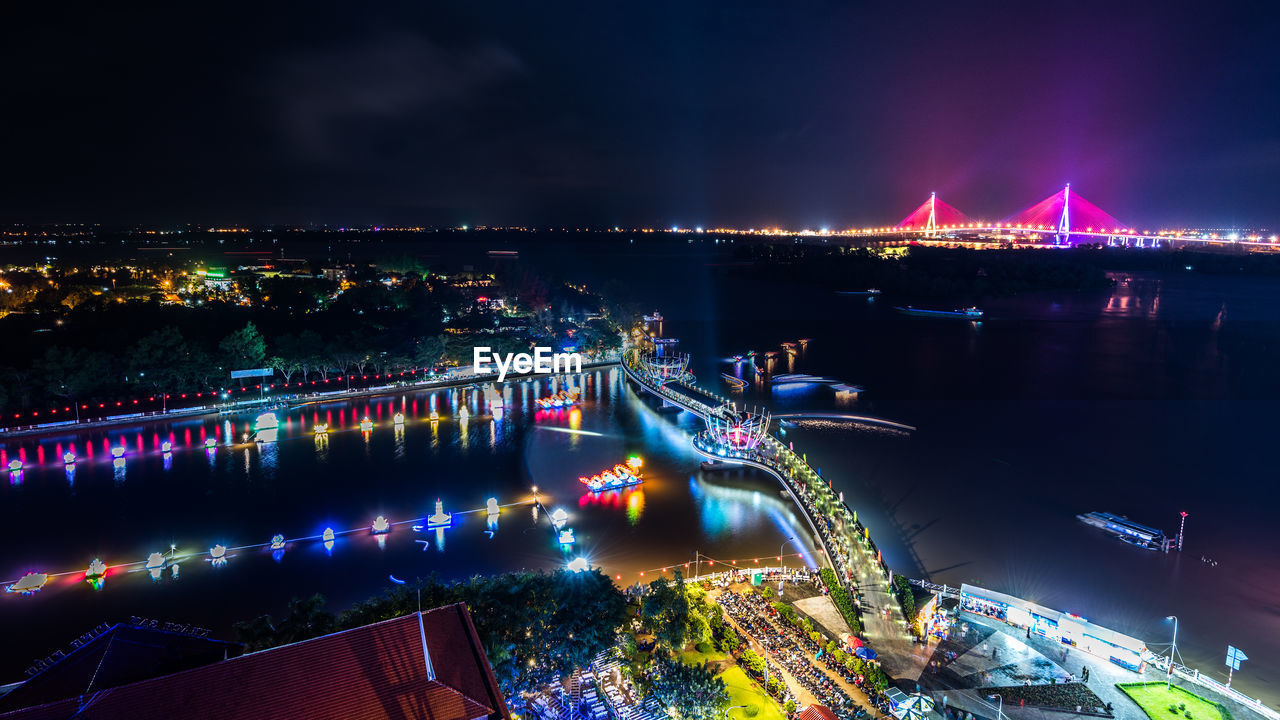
(845, 543)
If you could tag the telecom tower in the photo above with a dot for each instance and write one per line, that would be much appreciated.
(931, 229)
(1064, 222)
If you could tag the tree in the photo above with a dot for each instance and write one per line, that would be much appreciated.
(73, 374)
(666, 611)
(243, 349)
(160, 360)
(693, 692)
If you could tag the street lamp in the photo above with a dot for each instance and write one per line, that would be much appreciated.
(1000, 707)
(782, 578)
(1173, 651)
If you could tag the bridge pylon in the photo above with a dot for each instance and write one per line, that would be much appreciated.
(931, 228)
(1063, 235)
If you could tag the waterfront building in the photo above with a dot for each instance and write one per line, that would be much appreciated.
(1066, 628)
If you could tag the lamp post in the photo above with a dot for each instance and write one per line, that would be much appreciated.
(1000, 707)
(1173, 651)
(780, 562)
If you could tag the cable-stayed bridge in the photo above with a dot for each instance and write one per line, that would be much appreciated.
(1063, 218)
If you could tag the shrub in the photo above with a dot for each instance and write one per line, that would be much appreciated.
(843, 602)
(751, 710)
(790, 707)
(703, 647)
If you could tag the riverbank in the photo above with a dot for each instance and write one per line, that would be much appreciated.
(281, 401)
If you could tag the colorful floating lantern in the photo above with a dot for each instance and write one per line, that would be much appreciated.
(380, 525)
(441, 518)
(266, 421)
(15, 465)
(68, 458)
(398, 419)
(566, 536)
(277, 542)
(578, 564)
(29, 584)
(166, 446)
(492, 506)
(210, 444)
(155, 561)
(321, 429)
(559, 517)
(327, 535)
(435, 416)
(366, 425)
(218, 554)
(117, 452)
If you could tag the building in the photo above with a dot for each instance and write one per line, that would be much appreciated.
(423, 665)
(1063, 627)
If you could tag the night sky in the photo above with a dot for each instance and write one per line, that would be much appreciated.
(793, 113)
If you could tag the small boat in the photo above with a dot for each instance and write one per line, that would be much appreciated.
(970, 313)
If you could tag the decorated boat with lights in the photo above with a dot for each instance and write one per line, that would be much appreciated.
(619, 477)
(564, 398)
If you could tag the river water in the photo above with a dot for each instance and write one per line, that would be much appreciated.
(1147, 399)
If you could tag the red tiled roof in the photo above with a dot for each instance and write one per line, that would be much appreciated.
(368, 673)
(816, 712)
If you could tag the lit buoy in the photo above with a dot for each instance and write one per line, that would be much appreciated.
(380, 525)
(321, 429)
(578, 564)
(155, 561)
(218, 554)
(366, 425)
(440, 518)
(492, 506)
(210, 444)
(117, 452)
(68, 458)
(15, 465)
(327, 535)
(166, 446)
(398, 419)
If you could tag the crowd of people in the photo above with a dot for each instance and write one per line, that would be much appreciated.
(795, 651)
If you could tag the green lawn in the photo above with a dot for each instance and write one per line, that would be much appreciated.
(744, 691)
(693, 657)
(1155, 700)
